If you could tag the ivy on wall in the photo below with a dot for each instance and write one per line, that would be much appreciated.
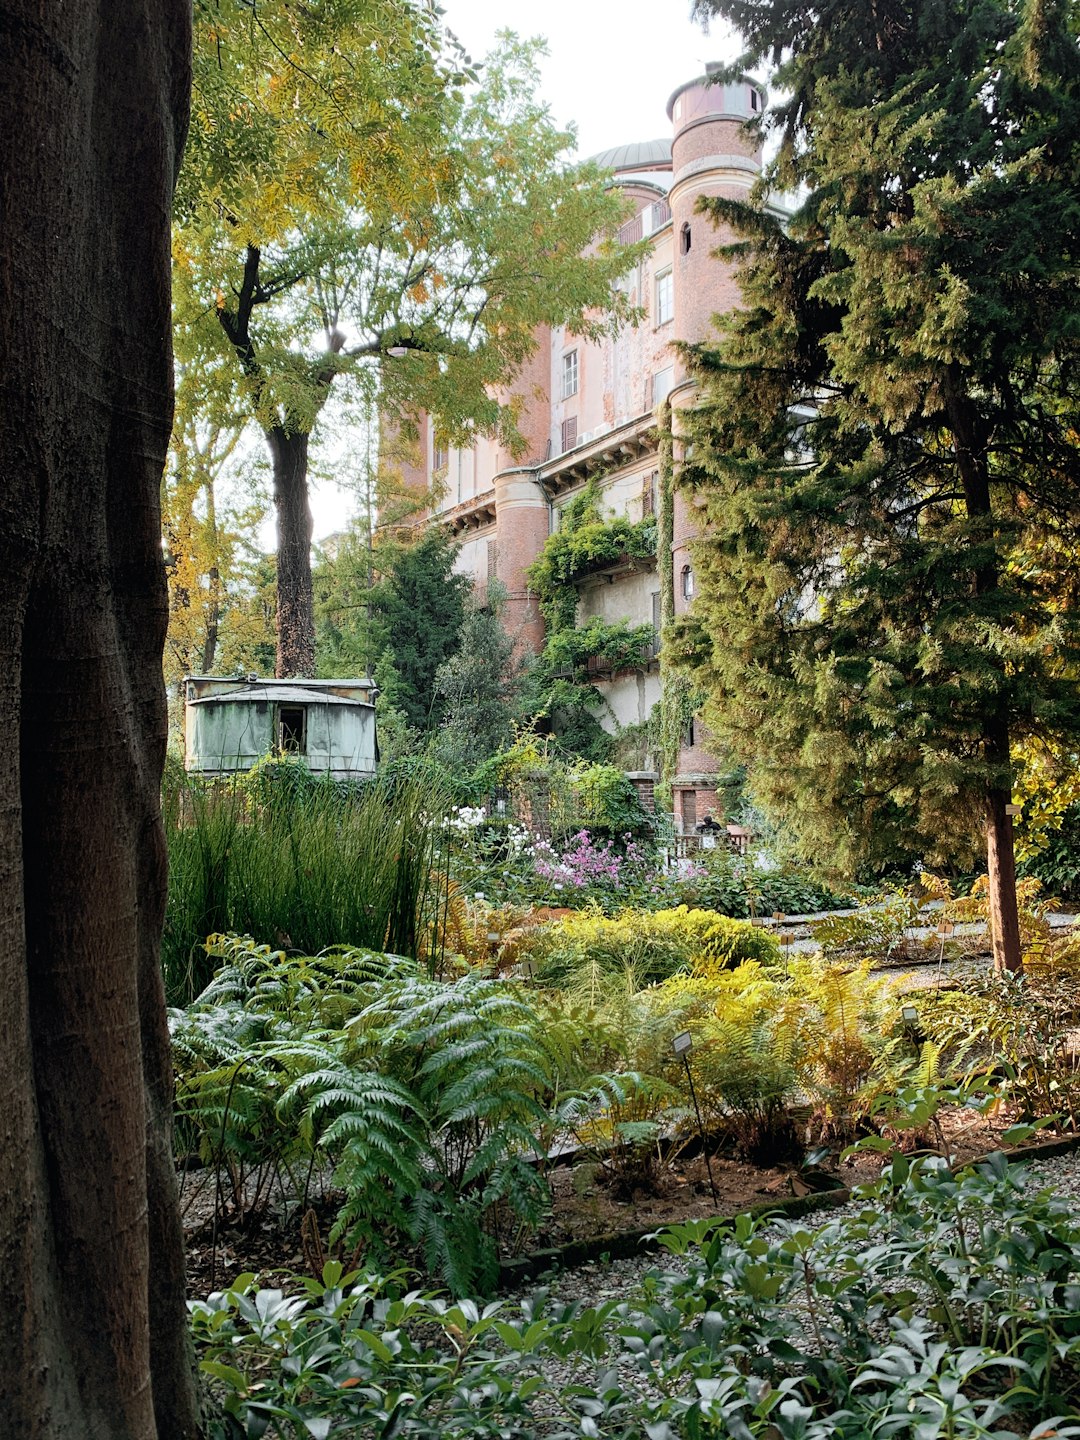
(562, 682)
(678, 701)
(584, 543)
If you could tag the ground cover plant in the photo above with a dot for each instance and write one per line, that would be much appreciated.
(944, 1306)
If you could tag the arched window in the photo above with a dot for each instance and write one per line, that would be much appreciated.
(685, 238)
(687, 583)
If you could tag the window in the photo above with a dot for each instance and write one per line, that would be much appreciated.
(656, 612)
(569, 433)
(755, 99)
(292, 739)
(440, 456)
(662, 382)
(687, 583)
(665, 297)
(569, 374)
(648, 495)
(685, 238)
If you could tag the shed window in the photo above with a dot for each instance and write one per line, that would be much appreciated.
(292, 730)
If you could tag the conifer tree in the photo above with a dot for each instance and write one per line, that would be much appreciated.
(479, 687)
(419, 608)
(891, 411)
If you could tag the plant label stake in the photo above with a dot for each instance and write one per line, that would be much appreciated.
(681, 1045)
(945, 929)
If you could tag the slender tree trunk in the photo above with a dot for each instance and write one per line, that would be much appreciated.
(971, 465)
(93, 1334)
(295, 604)
(1001, 873)
(214, 594)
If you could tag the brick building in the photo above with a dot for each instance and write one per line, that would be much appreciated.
(589, 412)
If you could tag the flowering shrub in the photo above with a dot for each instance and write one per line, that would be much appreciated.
(504, 862)
(586, 862)
(491, 857)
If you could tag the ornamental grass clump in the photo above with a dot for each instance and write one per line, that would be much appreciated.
(299, 863)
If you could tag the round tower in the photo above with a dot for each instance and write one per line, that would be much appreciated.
(522, 525)
(713, 154)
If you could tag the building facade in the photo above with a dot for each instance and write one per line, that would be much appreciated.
(589, 416)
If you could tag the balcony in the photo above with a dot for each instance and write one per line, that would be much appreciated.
(654, 217)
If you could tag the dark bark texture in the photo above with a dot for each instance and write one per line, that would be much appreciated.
(93, 1339)
(295, 602)
(969, 444)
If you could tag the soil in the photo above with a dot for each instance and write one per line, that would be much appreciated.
(590, 1200)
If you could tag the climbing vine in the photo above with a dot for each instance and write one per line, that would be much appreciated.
(562, 688)
(678, 701)
(584, 542)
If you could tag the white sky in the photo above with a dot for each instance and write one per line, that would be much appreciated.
(611, 67)
(612, 63)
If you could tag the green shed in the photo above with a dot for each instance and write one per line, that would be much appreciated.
(229, 724)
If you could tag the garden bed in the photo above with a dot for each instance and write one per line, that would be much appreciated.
(596, 1209)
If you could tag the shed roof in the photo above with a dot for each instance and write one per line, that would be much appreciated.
(291, 694)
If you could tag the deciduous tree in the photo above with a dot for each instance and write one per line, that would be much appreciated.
(885, 418)
(210, 557)
(353, 195)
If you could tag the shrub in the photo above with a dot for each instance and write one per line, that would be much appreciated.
(655, 944)
(1020, 1029)
(734, 885)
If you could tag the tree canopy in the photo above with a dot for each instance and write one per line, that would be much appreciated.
(887, 421)
(354, 191)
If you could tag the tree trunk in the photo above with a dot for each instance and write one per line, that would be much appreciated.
(93, 1339)
(1001, 874)
(214, 593)
(295, 604)
(971, 465)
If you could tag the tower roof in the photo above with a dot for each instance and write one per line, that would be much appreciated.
(643, 155)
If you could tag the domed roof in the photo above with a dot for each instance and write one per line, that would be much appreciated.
(644, 155)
